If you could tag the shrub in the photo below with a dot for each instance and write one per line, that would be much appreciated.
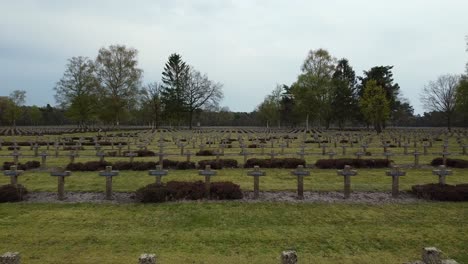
(185, 165)
(177, 190)
(12, 193)
(13, 148)
(454, 163)
(142, 166)
(441, 192)
(252, 146)
(141, 153)
(152, 193)
(20, 166)
(217, 165)
(285, 163)
(122, 165)
(206, 152)
(356, 163)
(88, 166)
(225, 191)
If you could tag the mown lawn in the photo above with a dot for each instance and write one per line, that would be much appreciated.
(276, 179)
(232, 232)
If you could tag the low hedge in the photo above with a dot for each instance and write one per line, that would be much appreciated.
(355, 163)
(125, 165)
(177, 190)
(217, 165)
(454, 163)
(441, 192)
(33, 164)
(141, 153)
(205, 152)
(12, 193)
(284, 163)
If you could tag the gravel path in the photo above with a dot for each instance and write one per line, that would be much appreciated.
(289, 197)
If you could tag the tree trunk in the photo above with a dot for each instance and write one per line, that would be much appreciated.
(190, 119)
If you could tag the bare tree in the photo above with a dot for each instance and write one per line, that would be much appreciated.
(152, 104)
(440, 96)
(201, 93)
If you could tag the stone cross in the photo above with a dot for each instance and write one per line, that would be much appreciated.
(343, 147)
(72, 156)
(388, 154)
(119, 147)
(109, 173)
(188, 154)
(364, 147)
(60, 182)
(359, 154)
(36, 148)
(282, 146)
(245, 154)
(10, 258)
(256, 173)
(13, 173)
(101, 155)
(347, 173)
(416, 154)
(159, 172)
(15, 155)
(324, 149)
(289, 257)
(272, 154)
(425, 146)
(43, 159)
(131, 155)
(208, 173)
(147, 259)
(442, 172)
(445, 154)
(464, 149)
(301, 154)
(331, 154)
(395, 172)
(300, 173)
(405, 148)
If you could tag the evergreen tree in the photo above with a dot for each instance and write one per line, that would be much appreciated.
(175, 80)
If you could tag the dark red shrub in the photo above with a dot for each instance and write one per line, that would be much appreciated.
(152, 193)
(205, 152)
(439, 192)
(225, 191)
(12, 193)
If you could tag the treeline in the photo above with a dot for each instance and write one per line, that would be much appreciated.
(328, 93)
(109, 90)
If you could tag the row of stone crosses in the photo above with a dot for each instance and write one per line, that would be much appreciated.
(143, 142)
(256, 173)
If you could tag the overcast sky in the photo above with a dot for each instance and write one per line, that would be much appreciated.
(249, 46)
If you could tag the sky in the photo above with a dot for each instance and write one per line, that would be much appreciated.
(248, 46)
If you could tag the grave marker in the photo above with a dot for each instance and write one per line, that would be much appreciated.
(256, 173)
(208, 173)
(300, 173)
(109, 173)
(159, 173)
(13, 173)
(396, 173)
(60, 182)
(442, 172)
(347, 172)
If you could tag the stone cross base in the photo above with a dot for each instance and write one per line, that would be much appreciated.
(432, 255)
(10, 258)
(289, 257)
(147, 259)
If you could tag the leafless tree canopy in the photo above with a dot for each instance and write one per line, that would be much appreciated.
(439, 95)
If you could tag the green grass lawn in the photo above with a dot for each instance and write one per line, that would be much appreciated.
(276, 179)
(232, 232)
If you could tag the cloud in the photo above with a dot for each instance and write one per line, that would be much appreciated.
(249, 46)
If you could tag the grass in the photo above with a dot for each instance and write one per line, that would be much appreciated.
(276, 179)
(232, 232)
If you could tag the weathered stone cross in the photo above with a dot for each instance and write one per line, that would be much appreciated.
(347, 173)
(109, 173)
(300, 173)
(256, 173)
